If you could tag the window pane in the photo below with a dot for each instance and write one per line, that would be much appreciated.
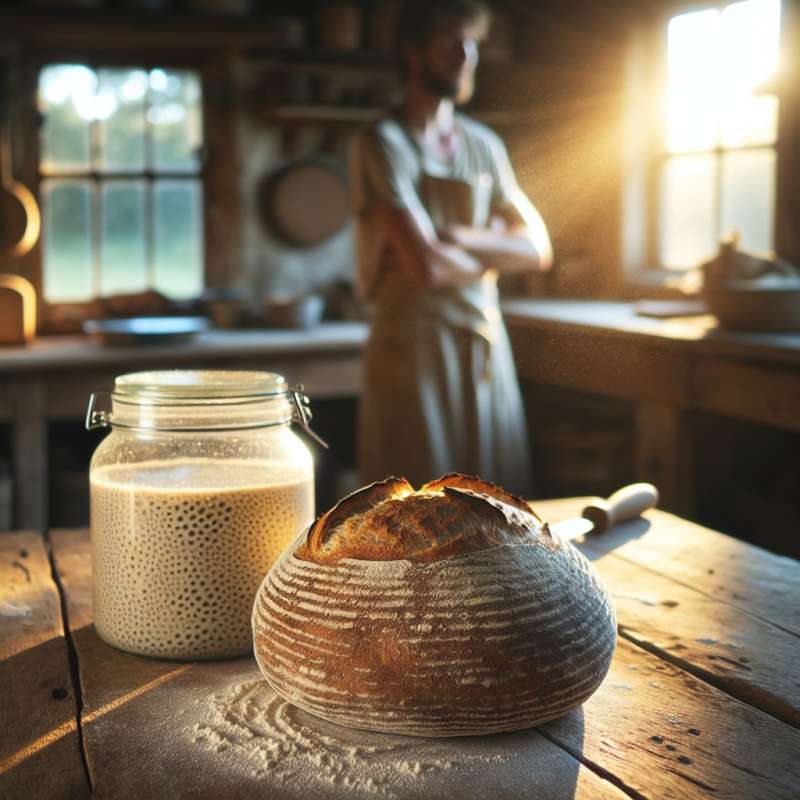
(686, 221)
(716, 61)
(175, 118)
(121, 127)
(748, 197)
(749, 120)
(123, 259)
(750, 34)
(692, 81)
(67, 240)
(178, 238)
(65, 99)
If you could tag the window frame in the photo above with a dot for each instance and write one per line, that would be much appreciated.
(220, 191)
(642, 166)
(98, 178)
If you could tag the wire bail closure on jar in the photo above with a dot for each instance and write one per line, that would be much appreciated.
(301, 414)
(97, 418)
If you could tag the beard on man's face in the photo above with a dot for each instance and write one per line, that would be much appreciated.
(439, 85)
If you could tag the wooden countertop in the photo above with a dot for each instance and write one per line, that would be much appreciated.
(702, 700)
(80, 352)
(612, 319)
(698, 334)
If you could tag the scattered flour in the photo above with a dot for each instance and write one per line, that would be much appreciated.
(262, 734)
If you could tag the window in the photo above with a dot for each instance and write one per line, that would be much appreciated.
(120, 181)
(716, 172)
(715, 141)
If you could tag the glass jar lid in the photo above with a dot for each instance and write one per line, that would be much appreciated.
(189, 384)
(201, 400)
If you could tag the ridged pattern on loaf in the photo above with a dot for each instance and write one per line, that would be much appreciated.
(495, 640)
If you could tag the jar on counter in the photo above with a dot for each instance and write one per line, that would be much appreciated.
(194, 494)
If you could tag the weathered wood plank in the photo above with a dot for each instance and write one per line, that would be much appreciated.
(666, 734)
(739, 653)
(39, 748)
(726, 569)
(141, 718)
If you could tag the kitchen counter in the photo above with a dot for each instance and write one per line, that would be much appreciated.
(52, 379)
(667, 368)
(63, 353)
(701, 700)
(619, 321)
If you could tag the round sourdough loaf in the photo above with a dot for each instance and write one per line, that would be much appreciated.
(447, 611)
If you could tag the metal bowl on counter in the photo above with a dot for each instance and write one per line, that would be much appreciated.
(144, 330)
(756, 305)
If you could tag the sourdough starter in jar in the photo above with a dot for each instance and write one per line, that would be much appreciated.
(180, 548)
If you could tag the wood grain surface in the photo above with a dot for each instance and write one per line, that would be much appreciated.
(39, 743)
(689, 614)
(665, 734)
(701, 700)
(143, 707)
(725, 569)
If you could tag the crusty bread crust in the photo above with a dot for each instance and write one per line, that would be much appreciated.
(453, 515)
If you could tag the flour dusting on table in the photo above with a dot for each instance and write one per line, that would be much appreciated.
(252, 727)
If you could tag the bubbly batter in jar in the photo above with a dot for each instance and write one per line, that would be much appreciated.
(180, 547)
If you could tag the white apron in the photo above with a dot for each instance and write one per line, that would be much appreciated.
(441, 391)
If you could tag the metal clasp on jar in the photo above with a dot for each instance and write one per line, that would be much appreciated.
(97, 418)
(302, 413)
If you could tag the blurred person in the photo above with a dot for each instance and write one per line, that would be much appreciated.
(438, 215)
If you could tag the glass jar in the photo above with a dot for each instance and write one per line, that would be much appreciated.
(194, 494)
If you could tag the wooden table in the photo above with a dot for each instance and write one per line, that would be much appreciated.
(702, 700)
(668, 368)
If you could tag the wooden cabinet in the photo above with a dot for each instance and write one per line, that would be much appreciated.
(674, 374)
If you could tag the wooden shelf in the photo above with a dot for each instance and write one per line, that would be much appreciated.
(321, 113)
(347, 115)
(321, 59)
(258, 38)
(116, 31)
(105, 30)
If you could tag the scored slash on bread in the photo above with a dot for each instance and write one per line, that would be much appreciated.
(452, 515)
